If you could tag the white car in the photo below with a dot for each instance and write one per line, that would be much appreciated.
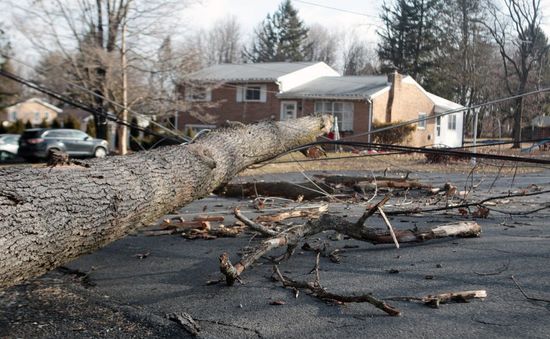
(9, 143)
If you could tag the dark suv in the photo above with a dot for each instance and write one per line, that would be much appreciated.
(37, 143)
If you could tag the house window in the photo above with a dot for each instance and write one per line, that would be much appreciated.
(36, 117)
(451, 122)
(343, 110)
(13, 116)
(252, 93)
(421, 121)
(47, 115)
(198, 93)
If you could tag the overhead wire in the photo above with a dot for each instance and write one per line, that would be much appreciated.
(82, 106)
(132, 112)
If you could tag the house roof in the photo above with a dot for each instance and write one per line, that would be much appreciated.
(345, 87)
(443, 103)
(270, 71)
(76, 112)
(38, 101)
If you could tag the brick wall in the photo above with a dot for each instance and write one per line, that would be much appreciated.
(225, 107)
(406, 101)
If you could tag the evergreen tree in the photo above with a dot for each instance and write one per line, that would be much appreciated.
(281, 37)
(17, 128)
(44, 123)
(410, 36)
(28, 124)
(56, 123)
(71, 122)
(133, 130)
(90, 128)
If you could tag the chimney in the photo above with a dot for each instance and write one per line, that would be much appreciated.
(395, 82)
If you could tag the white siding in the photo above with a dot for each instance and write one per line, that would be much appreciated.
(300, 77)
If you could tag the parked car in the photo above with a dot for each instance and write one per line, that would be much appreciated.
(9, 143)
(38, 142)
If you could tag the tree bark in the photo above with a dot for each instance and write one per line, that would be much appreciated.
(49, 216)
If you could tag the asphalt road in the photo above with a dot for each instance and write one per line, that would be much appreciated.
(124, 296)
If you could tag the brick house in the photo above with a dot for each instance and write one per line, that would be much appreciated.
(252, 92)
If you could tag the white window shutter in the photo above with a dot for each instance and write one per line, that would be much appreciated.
(208, 96)
(239, 90)
(263, 93)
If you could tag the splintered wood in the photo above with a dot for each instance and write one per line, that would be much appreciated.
(198, 228)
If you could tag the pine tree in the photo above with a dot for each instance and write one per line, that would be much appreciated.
(17, 128)
(281, 37)
(71, 122)
(55, 123)
(90, 128)
(44, 123)
(410, 36)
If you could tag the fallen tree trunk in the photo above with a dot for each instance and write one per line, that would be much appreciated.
(49, 216)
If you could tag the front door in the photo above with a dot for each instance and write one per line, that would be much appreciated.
(288, 110)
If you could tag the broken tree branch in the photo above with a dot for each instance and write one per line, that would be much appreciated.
(434, 300)
(368, 213)
(326, 222)
(311, 212)
(253, 225)
(390, 228)
(49, 216)
(470, 204)
(319, 292)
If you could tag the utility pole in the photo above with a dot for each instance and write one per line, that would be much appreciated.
(123, 129)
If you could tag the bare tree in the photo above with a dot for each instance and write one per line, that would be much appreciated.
(516, 29)
(468, 62)
(323, 44)
(87, 34)
(359, 58)
(222, 43)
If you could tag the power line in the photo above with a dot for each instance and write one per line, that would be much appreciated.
(412, 149)
(82, 106)
(451, 111)
(337, 9)
(142, 116)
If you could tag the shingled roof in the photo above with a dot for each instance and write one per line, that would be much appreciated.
(345, 87)
(247, 72)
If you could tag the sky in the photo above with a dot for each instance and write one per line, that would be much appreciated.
(250, 13)
(359, 16)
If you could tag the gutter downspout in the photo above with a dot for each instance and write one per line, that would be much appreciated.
(369, 119)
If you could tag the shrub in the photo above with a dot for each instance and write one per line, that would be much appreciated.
(71, 122)
(44, 123)
(396, 135)
(55, 123)
(90, 128)
(17, 128)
